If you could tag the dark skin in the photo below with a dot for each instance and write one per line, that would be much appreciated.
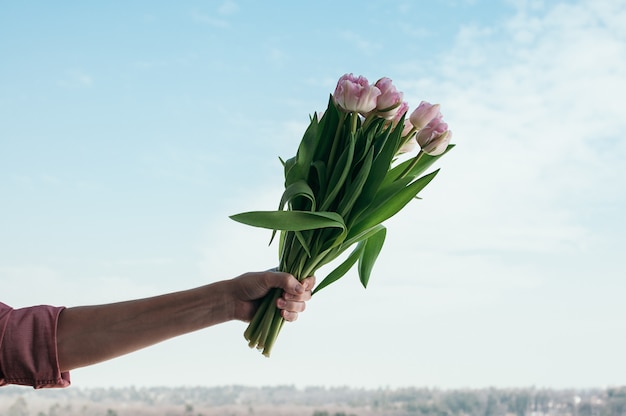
(88, 335)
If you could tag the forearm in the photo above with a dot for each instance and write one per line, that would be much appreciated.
(91, 334)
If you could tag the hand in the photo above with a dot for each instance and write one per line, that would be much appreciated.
(249, 288)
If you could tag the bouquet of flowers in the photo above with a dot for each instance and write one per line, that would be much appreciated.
(353, 169)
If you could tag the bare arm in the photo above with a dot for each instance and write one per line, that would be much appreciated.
(90, 334)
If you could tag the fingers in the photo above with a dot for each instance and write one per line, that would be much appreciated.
(308, 283)
(290, 284)
(295, 297)
(289, 316)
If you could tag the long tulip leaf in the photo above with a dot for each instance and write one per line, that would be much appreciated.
(328, 126)
(370, 253)
(380, 166)
(361, 236)
(291, 220)
(392, 206)
(341, 270)
(340, 173)
(308, 144)
(297, 189)
(303, 242)
(292, 171)
(354, 190)
(320, 177)
(420, 167)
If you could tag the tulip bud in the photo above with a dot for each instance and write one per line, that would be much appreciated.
(434, 137)
(390, 99)
(400, 112)
(355, 94)
(423, 114)
(407, 128)
(408, 146)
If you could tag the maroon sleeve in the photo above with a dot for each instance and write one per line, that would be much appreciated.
(28, 347)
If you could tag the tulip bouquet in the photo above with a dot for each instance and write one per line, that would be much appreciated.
(355, 167)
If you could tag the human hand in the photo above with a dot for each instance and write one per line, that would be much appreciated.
(249, 288)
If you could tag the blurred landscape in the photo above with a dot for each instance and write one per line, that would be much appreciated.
(309, 401)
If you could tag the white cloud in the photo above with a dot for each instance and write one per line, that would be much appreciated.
(535, 105)
(225, 9)
(360, 43)
(228, 7)
(76, 79)
(209, 20)
(276, 56)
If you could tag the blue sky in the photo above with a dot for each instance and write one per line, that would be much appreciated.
(129, 133)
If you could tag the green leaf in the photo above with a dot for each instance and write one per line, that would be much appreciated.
(320, 170)
(308, 144)
(297, 189)
(340, 173)
(327, 125)
(370, 253)
(293, 172)
(366, 138)
(341, 270)
(387, 192)
(380, 166)
(420, 167)
(386, 209)
(354, 190)
(290, 220)
(303, 242)
(360, 236)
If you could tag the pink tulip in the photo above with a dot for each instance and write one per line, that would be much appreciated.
(389, 100)
(408, 146)
(356, 94)
(401, 111)
(408, 127)
(408, 137)
(434, 137)
(423, 114)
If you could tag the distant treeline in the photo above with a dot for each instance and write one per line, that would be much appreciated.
(315, 401)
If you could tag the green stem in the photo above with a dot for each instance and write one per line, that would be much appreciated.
(286, 249)
(321, 260)
(253, 331)
(411, 165)
(274, 330)
(268, 317)
(353, 121)
(366, 123)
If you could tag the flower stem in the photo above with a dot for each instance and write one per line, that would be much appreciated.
(354, 119)
(261, 326)
(253, 332)
(411, 165)
(274, 330)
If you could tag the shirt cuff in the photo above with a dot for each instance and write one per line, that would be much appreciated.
(28, 349)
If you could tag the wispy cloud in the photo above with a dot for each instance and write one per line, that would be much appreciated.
(276, 56)
(227, 8)
(210, 20)
(535, 107)
(359, 42)
(224, 10)
(76, 78)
